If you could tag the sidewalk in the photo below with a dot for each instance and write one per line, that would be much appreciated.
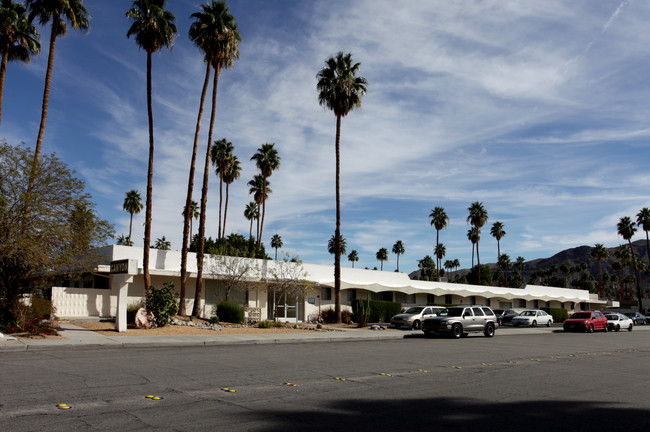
(75, 337)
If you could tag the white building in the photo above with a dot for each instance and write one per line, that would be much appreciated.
(96, 294)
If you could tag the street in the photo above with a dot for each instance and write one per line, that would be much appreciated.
(548, 380)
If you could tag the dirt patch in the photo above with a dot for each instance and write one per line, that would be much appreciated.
(108, 329)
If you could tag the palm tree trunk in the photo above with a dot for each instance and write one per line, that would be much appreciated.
(147, 220)
(130, 228)
(337, 232)
(259, 238)
(225, 210)
(46, 101)
(478, 263)
(187, 217)
(437, 243)
(196, 309)
(220, 203)
(639, 293)
(250, 229)
(3, 71)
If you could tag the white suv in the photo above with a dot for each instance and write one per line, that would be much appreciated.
(414, 316)
(458, 321)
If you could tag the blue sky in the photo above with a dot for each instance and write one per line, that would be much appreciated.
(539, 110)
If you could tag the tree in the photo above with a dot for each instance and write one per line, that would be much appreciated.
(194, 214)
(233, 172)
(214, 32)
(504, 264)
(353, 257)
(643, 220)
(427, 267)
(276, 242)
(287, 279)
(331, 245)
(626, 229)
(382, 255)
(132, 205)
(162, 244)
(154, 29)
(19, 38)
(600, 253)
(439, 220)
(223, 48)
(498, 233)
(449, 266)
(473, 236)
(235, 273)
(440, 251)
(267, 161)
(123, 241)
(260, 190)
(340, 90)
(57, 12)
(398, 249)
(478, 217)
(61, 229)
(251, 213)
(456, 266)
(221, 154)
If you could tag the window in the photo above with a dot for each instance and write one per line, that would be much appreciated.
(352, 294)
(505, 305)
(478, 311)
(488, 311)
(326, 293)
(400, 297)
(447, 298)
(431, 299)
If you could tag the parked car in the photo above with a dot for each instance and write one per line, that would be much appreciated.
(617, 321)
(586, 321)
(414, 316)
(505, 316)
(532, 318)
(458, 321)
(636, 317)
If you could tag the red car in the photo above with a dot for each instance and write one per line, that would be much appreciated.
(586, 321)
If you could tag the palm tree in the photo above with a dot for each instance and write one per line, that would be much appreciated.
(162, 244)
(449, 266)
(427, 267)
(276, 242)
(220, 157)
(267, 161)
(398, 249)
(474, 236)
(521, 262)
(439, 220)
(504, 263)
(19, 38)
(194, 214)
(382, 255)
(643, 220)
(353, 257)
(133, 205)
(154, 29)
(498, 233)
(207, 33)
(478, 217)
(456, 266)
(232, 173)
(222, 49)
(599, 252)
(58, 12)
(331, 245)
(123, 241)
(257, 188)
(626, 229)
(340, 90)
(440, 251)
(251, 212)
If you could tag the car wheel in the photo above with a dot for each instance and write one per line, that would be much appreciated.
(617, 328)
(548, 324)
(605, 328)
(456, 331)
(590, 329)
(534, 323)
(489, 330)
(417, 325)
(630, 327)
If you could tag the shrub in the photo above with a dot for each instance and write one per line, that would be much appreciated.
(162, 302)
(559, 315)
(27, 320)
(265, 324)
(377, 311)
(230, 312)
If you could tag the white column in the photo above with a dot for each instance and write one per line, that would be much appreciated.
(121, 282)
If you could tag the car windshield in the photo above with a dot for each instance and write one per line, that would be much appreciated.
(414, 310)
(528, 313)
(452, 312)
(612, 317)
(581, 315)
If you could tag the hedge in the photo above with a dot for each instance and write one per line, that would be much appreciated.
(379, 311)
(559, 315)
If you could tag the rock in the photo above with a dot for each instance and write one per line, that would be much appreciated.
(319, 326)
(144, 319)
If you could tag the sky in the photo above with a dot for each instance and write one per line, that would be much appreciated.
(538, 110)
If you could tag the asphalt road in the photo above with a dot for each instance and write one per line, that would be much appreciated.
(549, 381)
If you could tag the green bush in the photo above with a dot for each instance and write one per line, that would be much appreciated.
(377, 311)
(230, 312)
(265, 324)
(328, 316)
(162, 302)
(559, 315)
